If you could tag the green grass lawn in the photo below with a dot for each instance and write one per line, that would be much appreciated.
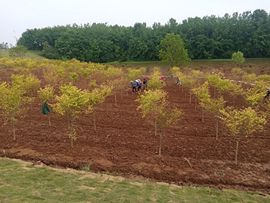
(23, 182)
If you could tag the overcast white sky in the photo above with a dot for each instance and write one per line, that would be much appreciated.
(18, 15)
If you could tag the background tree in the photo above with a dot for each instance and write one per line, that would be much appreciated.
(238, 57)
(172, 50)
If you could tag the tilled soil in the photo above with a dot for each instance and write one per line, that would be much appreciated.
(125, 144)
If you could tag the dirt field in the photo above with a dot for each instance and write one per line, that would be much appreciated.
(125, 144)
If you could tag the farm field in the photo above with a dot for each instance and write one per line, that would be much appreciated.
(124, 143)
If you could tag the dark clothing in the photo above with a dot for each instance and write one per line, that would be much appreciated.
(45, 108)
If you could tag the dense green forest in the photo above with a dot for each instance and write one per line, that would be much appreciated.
(209, 37)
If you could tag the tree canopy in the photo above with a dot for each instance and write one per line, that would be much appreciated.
(208, 37)
(172, 50)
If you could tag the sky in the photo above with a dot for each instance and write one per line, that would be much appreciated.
(16, 16)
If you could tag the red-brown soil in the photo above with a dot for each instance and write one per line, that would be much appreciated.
(125, 144)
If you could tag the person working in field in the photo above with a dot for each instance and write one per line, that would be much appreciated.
(145, 84)
(178, 82)
(133, 85)
(139, 84)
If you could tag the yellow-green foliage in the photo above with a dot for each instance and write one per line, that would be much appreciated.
(188, 80)
(238, 72)
(224, 85)
(255, 94)
(72, 101)
(249, 77)
(11, 101)
(112, 72)
(155, 82)
(213, 105)
(92, 84)
(264, 78)
(243, 122)
(98, 95)
(52, 77)
(11, 104)
(46, 93)
(205, 100)
(134, 74)
(196, 74)
(174, 70)
(202, 92)
(73, 76)
(168, 117)
(28, 84)
(152, 102)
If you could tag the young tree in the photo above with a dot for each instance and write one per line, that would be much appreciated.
(27, 85)
(255, 94)
(153, 105)
(118, 85)
(155, 81)
(242, 123)
(238, 57)
(71, 103)
(11, 105)
(167, 117)
(172, 50)
(96, 97)
(202, 93)
(214, 106)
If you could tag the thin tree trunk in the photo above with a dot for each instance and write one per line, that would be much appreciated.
(190, 97)
(202, 116)
(70, 132)
(94, 120)
(160, 143)
(49, 120)
(233, 102)
(115, 100)
(217, 128)
(71, 142)
(155, 122)
(236, 152)
(13, 131)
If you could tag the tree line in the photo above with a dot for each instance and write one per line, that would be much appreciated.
(209, 37)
